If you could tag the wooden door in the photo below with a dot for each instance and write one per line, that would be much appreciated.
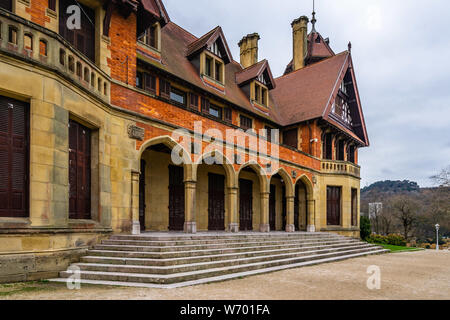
(245, 205)
(176, 198)
(14, 159)
(84, 38)
(6, 4)
(142, 205)
(79, 171)
(216, 202)
(333, 206)
(272, 207)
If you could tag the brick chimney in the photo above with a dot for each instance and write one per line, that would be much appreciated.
(300, 41)
(249, 50)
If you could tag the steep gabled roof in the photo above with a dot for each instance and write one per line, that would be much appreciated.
(309, 93)
(149, 12)
(255, 71)
(318, 47)
(208, 40)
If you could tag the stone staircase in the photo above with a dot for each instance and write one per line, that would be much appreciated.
(168, 260)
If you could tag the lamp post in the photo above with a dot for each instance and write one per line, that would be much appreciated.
(437, 236)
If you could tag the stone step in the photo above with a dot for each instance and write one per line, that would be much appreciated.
(222, 236)
(214, 272)
(152, 269)
(145, 246)
(144, 259)
(147, 251)
(223, 277)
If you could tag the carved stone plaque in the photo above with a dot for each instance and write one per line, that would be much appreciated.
(135, 132)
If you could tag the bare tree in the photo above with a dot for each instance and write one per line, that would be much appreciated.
(406, 211)
(443, 178)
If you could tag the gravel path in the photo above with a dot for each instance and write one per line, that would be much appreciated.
(407, 275)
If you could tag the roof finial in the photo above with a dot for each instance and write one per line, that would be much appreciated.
(313, 20)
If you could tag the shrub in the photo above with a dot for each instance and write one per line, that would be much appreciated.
(392, 239)
(365, 227)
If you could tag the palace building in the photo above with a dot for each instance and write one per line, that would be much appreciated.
(87, 123)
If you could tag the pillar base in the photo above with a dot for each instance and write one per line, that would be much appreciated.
(233, 227)
(290, 228)
(264, 227)
(136, 228)
(311, 228)
(190, 227)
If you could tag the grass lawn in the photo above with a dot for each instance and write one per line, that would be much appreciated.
(398, 248)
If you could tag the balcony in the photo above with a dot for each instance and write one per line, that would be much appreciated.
(23, 39)
(341, 167)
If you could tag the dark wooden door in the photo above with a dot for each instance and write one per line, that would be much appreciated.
(216, 202)
(283, 206)
(333, 206)
(6, 4)
(79, 171)
(245, 205)
(142, 195)
(272, 207)
(176, 198)
(84, 38)
(296, 208)
(14, 163)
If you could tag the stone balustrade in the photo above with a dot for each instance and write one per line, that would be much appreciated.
(35, 44)
(340, 167)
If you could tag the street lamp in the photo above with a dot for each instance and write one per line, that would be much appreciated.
(437, 236)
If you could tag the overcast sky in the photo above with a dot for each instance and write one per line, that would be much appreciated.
(401, 52)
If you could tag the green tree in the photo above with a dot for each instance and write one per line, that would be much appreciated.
(365, 227)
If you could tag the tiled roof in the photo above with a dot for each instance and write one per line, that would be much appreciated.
(255, 71)
(305, 94)
(318, 47)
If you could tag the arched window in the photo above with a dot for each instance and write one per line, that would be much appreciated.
(62, 57)
(86, 74)
(12, 35)
(28, 41)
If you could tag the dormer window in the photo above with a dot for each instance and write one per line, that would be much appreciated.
(152, 37)
(260, 94)
(213, 67)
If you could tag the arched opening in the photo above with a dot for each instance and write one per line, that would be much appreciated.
(302, 196)
(280, 187)
(214, 176)
(161, 188)
(251, 183)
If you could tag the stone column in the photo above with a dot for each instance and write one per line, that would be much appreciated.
(190, 222)
(311, 223)
(264, 224)
(290, 226)
(233, 225)
(135, 224)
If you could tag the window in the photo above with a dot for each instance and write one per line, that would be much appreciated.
(333, 206)
(6, 4)
(327, 146)
(215, 111)
(193, 101)
(79, 69)
(139, 80)
(28, 42)
(290, 138)
(177, 96)
(340, 150)
(14, 163)
(351, 154)
(164, 88)
(92, 79)
(268, 133)
(245, 122)
(208, 66)
(12, 35)
(86, 74)
(79, 171)
(218, 74)
(62, 57)
(82, 39)
(151, 36)
(260, 94)
(43, 48)
(257, 93)
(228, 114)
(205, 105)
(354, 207)
(149, 83)
(52, 5)
(263, 96)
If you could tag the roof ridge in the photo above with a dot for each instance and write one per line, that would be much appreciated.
(252, 66)
(314, 64)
